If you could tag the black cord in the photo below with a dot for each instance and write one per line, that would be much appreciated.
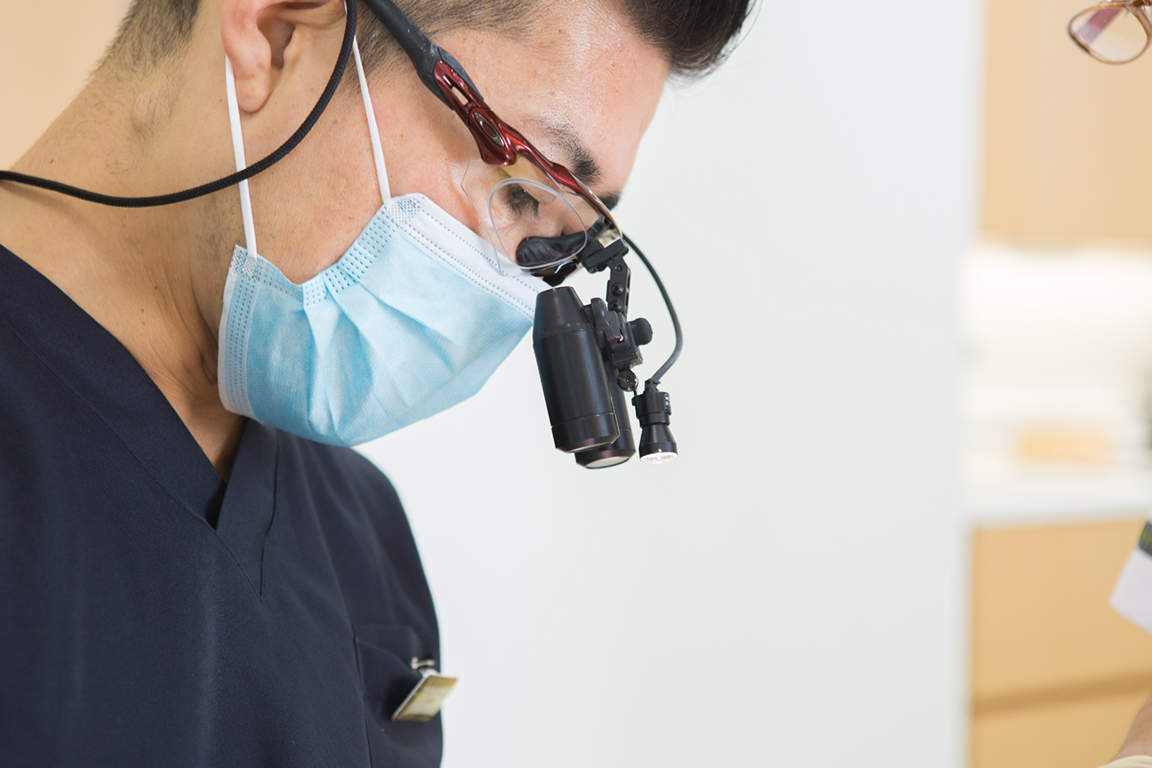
(655, 378)
(219, 184)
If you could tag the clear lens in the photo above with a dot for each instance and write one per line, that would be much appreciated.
(659, 457)
(527, 217)
(1114, 35)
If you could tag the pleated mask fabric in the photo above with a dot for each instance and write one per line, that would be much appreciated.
(413, 319)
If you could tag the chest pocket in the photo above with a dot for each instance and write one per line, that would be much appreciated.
(384, 654)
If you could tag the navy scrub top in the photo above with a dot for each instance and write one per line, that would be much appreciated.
(153, 615)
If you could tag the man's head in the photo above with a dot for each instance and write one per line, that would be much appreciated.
(580, 80)
(693, 35)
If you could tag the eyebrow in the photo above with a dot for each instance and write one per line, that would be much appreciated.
(583, 165)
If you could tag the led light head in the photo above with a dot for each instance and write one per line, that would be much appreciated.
(657, 445)
(654, 411)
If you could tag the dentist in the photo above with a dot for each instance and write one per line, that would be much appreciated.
(194, 568)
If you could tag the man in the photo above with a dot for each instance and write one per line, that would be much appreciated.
(192, 571)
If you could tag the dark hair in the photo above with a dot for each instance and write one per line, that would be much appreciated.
(695, 36)
(152, 31)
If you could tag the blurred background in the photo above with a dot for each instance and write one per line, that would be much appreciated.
(911, 252)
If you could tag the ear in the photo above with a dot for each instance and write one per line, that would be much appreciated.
(265, 38)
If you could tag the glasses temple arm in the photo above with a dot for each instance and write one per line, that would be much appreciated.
(423, 52)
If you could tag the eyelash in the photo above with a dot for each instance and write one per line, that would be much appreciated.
(520, 201)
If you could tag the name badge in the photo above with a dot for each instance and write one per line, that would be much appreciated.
(424, 701)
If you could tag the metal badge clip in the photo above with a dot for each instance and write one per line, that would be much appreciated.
(423, 703)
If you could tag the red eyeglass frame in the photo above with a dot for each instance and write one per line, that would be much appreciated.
(500, 143)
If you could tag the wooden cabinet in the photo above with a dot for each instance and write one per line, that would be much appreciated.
(1056, 674)
(1060, 164)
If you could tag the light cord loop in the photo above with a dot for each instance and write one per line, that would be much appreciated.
(264, 164)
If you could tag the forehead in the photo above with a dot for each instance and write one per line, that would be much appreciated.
(585, 82)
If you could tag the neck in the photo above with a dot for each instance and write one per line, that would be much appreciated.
(152, 277)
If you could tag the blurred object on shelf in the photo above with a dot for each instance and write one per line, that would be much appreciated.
(1070, 444)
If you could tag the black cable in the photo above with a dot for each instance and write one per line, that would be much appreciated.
(656, 377)
(219, 184)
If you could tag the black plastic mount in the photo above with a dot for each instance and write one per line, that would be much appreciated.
(596, 256)
(619, 285)
(619, 339)
(652, 406)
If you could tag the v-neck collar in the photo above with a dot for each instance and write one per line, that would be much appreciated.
(92, 363)
(249, 502)
(102, 373)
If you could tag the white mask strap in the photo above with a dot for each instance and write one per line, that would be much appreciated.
(238, 151)
(373, 130)
(238, 145)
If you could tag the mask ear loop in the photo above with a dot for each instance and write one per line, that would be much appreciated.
(373, 129)
(238, 151)
(241, 163)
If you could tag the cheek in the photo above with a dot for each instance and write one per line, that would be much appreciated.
(316, 208)
(431, 158)
(439, 179)
(343, 215)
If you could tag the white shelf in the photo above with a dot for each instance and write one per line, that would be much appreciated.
(1052, 497)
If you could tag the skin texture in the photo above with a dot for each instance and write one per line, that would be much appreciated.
(155, 277)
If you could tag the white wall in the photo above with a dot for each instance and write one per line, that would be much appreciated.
(44, 60)
(791, 591)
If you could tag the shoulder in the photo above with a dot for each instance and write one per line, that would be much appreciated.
(344, 483)
(364, 526)
(345, 471)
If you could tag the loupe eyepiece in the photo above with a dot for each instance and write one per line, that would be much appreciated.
(623, 447)
(571, 366)
(533, 252)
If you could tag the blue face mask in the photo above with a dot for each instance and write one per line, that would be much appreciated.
(412, 320)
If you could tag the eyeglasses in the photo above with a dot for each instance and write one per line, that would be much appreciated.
(535, 212)
(1114, 33)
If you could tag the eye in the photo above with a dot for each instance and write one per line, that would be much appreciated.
(519, 201)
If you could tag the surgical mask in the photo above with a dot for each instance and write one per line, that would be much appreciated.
(413, 319)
